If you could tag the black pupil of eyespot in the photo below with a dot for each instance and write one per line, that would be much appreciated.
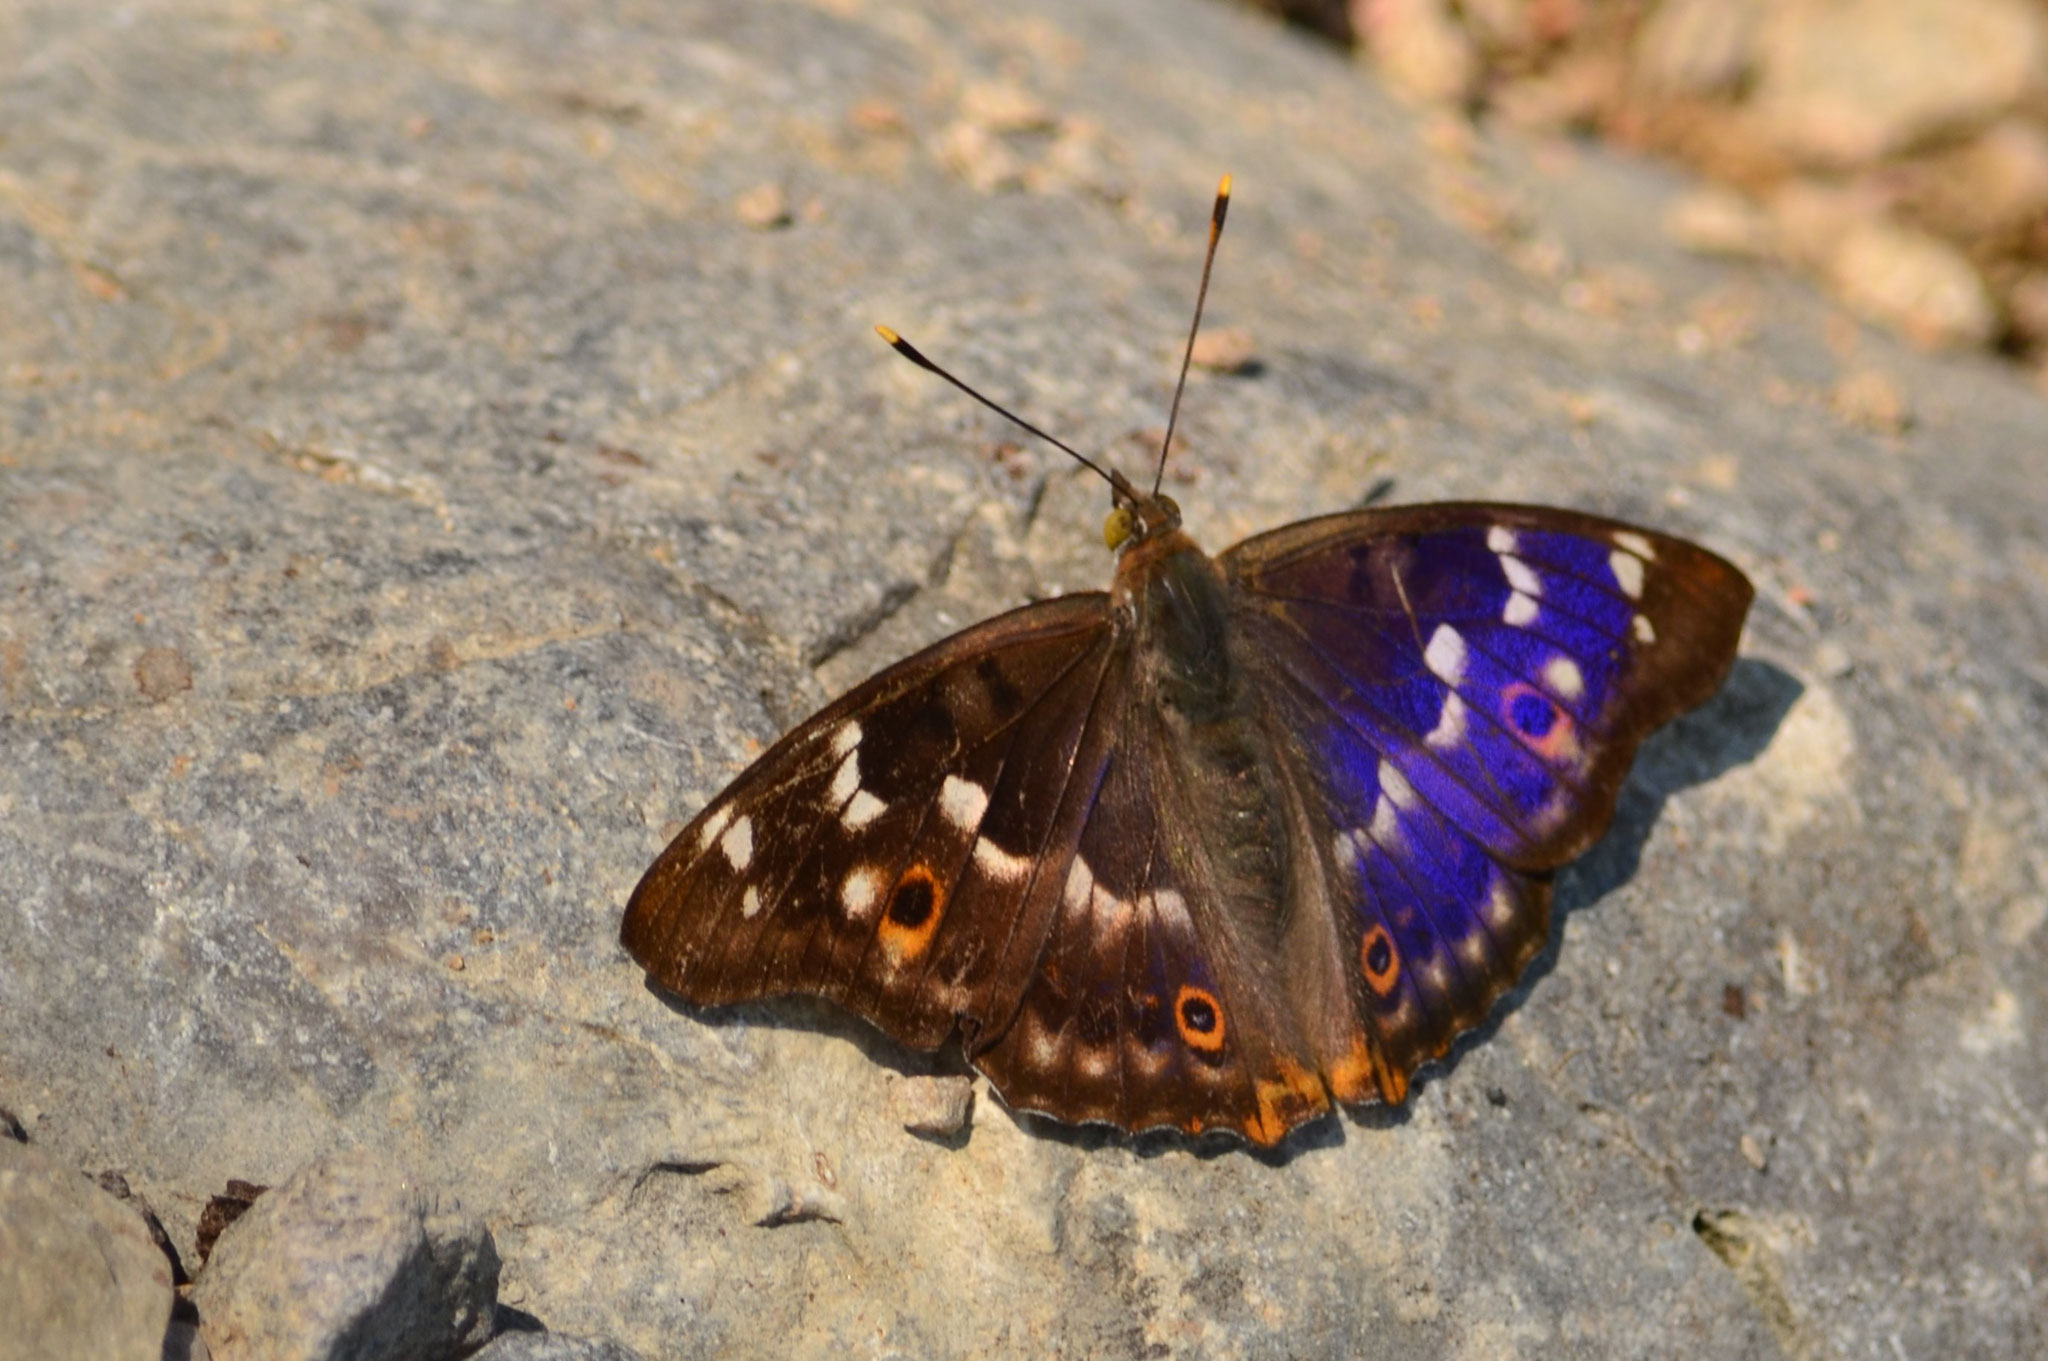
(1198, 1015)
(912, 905)
(1379, 956)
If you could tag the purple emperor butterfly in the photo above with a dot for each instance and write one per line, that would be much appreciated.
(1242, 837)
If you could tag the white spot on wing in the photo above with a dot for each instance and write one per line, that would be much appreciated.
(712, 828)
(1501, 539)
(1450, 724)
(1080, 884)
(1636, 544)
(998, 863)
(846, 737)
(1564, 677)
(1445, 655)
(750, 903)
(1395, 785)
(1521, 610)
(1500, 904)
(1169, 904)
(1386, 823)
(963, 802)
(1644, 630)
(845, 781)
(861, 810)
(738, 843)
(859, 890)
(1344, 850)
(1521, 575)
(1628, 573)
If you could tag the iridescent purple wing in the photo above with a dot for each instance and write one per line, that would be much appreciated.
(1458, 691)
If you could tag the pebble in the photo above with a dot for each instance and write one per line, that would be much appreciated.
(937, 1107)
(348, 1258)
(1421, 49)
(79, 1273)
(1915, 283)
(764, 207)
(1715, 221)
(1846, 82)
(1872, 400)
(1227, 349)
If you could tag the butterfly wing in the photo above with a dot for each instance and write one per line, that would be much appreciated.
(884, 854)
(1156, 1001)
(1458, 691)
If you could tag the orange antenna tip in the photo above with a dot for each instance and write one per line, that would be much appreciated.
(1223, 189)
(888, 335)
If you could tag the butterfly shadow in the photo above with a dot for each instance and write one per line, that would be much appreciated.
(1730, 730)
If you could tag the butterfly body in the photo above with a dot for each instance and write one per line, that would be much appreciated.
(1241, 837)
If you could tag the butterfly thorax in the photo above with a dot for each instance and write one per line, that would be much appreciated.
(1210, 759)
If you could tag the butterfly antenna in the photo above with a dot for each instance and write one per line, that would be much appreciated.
(1201, 295)
(1117, 483)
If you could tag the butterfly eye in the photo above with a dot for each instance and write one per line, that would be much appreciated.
(1117, 528)
(1380, 961)
(1200, 1019)
(915, 907)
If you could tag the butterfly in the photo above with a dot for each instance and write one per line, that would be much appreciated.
(1240, 838)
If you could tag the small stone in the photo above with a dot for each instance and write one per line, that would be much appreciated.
(348, 1258)
(161, 672)
(1872, 400)
(1697, 47)
(764, 207)
(79, 1273)
(2026, 306)
(1714, 221)
(1754, 1153)
(937, 1107)
(1846, 82)
(1993, 186)
(1915, 283)
(1810, 219)
(877, 118)
(1227, 349)
(1420, 48)
(979, 157)
(1832, 660)
(1004, 106)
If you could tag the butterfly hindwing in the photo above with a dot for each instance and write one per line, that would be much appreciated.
(1155, 1002)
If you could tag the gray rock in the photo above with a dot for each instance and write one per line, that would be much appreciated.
(348, 1261)
(79, 1274)
(554, 1347)
(405, 370)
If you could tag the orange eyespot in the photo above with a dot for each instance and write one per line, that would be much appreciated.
(1199, 1017)
(1380, 960)
(1534, 717)
(916, 905)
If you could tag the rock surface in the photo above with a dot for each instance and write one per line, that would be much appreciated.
(419, 491)
(79, 1273)
(348, 1261)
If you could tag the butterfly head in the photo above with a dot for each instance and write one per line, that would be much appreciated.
(1136, 518)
